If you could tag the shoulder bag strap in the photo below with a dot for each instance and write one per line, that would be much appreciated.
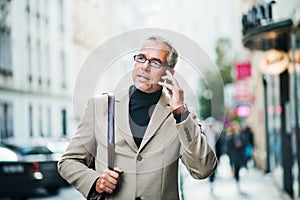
(110, 135)
(111, 132)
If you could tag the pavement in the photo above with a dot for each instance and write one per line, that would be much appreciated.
(254, 184)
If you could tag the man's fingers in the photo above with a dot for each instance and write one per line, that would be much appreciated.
(174, 88)
(103, 188)
(106, 184)
(169, 80)
(108, 180)
(111, 173)
(118, 170)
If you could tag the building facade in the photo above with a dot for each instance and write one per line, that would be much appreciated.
(271, 31)
(35, 74)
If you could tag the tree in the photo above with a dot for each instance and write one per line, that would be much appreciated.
(224, 62)
(224, 59)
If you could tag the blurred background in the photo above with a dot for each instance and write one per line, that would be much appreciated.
(255, 45)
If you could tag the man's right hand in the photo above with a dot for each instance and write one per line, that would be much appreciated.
(108, 180)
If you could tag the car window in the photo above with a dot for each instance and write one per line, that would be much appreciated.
(35, 150)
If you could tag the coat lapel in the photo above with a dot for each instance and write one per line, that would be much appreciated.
(122, 118)
(160, 113)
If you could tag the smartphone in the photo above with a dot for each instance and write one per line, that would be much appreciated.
(165, 73)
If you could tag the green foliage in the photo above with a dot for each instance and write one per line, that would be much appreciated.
(224, 62)
(205, 108)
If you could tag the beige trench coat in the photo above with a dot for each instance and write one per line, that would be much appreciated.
(150, 172)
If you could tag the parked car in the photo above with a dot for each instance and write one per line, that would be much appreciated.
(45, 162)
(57, 145)
(18, 179)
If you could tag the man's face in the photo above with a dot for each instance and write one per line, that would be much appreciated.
(146, 77)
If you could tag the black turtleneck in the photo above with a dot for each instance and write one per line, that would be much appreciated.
(141, 106)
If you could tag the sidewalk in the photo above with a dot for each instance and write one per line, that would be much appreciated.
(253, 185)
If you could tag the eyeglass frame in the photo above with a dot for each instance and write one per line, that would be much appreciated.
(150, 61)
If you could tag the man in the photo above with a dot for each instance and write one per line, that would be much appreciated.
(152, 131)
(236, 147)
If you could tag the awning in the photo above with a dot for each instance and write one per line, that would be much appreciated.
(271, 36)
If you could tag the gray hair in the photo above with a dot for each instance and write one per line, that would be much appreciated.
(173, 55)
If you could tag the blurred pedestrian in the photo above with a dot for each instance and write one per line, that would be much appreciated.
(249, 144)
(212, 134)
(229, 148)
(236, 144)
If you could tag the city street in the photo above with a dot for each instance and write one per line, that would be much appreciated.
(233, 63)
(64, 193)
(254, 185)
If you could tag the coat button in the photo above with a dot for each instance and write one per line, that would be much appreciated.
(138, 198)
(139, 158)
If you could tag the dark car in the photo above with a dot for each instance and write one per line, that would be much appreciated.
(45, 162)
(18, 179)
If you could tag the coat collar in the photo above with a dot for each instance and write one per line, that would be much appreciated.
(161, 112)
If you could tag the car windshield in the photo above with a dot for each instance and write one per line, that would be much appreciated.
(35, 150)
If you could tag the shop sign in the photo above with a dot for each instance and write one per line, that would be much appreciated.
(243, 111)
(257, 15)
(274, 62)
(243, 70)
(242, 91)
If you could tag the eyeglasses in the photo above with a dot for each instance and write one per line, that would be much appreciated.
(153, 62)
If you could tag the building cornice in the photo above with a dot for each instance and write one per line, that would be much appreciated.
(272, 36)
(19, 92)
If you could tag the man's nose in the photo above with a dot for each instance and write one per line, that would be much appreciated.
(146, 65)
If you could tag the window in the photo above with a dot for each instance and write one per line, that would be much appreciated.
(29, 58)
(61, 15)
(6, 120)
(49, 122)
(47, 65)
(39, 62)
(29, 43)
(27, 6)
(46, 5)
(63, 70)
(5, 41)
(64, 122)
(41, 121)
(5, 51)
(30, 121)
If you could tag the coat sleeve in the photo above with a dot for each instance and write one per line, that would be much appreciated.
(73, 165)
(196, 154)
